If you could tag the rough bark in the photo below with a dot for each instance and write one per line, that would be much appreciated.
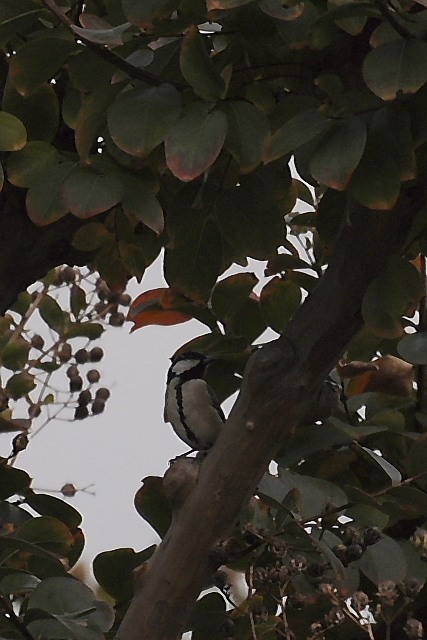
(279, 383)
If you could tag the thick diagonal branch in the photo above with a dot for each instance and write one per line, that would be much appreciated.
(278, 385)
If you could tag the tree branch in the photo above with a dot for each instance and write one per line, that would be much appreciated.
(279, 383)
(107, 54)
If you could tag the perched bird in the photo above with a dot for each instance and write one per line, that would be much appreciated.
(190, 404)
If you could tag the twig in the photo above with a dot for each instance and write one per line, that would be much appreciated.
(107, 54)
(389, 16)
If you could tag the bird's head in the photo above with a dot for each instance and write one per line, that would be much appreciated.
(190, 364)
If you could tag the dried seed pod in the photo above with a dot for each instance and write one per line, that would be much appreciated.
(76, 383)
(81, 412)
(65, 353)
(81, 356)
(102, 394)
(34, 410)
(37, 342)
(98, 406)
(117, 319)
(354, 552)
(96, 354)
(260, 577)
(72, 371)
(85, 397)
(359, 600)
(68, 490)
(102, 290)
(388, 593)
(93, 376)
(413, 629)
(410, 587)
(124, 299)
(371, 536)
(67, 275)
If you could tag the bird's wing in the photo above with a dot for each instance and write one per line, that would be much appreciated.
(215, 403)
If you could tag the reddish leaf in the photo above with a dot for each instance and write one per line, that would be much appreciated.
(195, 141)
(151, 307)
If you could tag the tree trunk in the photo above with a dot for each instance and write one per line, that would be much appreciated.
(279, 384)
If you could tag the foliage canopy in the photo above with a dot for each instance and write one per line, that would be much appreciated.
(131, 127)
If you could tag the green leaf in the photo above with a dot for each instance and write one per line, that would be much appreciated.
(63, 596)
(388, 297)
(18, 583)
(382, 561)
(368, 516)
(339, 152)
(15, 355)
(11, 10)
(280, 299)
(12, 481)
(281, 11)
(38, 61)
(91, 236)
(139, 119)
(316, 494)
(142, 13)
(248, 132)
(52, 314)
(13, 134)
(14, 544)
(44, 201)
(194, 142)
(113, 570)
(39, 113)
(376, 181)
(88, 71)
(295, 132)
(86, 193)
(249, 214)
(24, 166)
(139, 199)
(111, 37)
(153, 505)
(53, 507)
(194, 262)
(91, 330)
(198, 68)
(415, 462)
(20, 384)
(230, 293)
(413, 347)
(409, 496)
(399, 65)
(92, 116)
(77, 300)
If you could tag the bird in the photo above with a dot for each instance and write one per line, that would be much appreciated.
(191, 405)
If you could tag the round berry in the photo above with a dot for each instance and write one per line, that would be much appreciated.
(81, 356)
(37, 342)
(81, 412)
(76, 383)
(98, 406)
(85, 397)
(96, 354)
(102, 394)
(93, 376)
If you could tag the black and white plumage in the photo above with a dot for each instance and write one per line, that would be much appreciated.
(190, 404)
